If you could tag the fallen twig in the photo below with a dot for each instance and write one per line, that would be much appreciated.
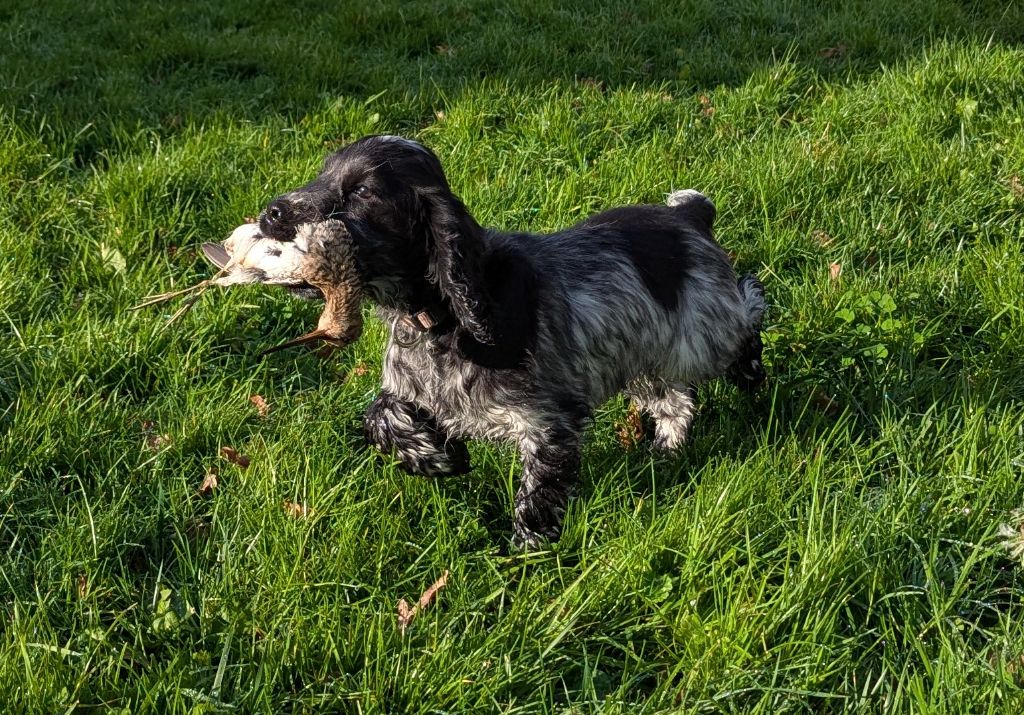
(406, 612)
(196, 290)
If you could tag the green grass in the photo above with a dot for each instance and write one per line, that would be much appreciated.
(828, 546)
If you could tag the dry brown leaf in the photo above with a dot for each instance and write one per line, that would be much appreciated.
(156, 442)
(407, 613)
(1014, 665)
(822, 237)
(209, 482)
(83, 585)
(834, 271)
(262, 406)
(707, 109)
(358, 370)
(251, 219)
(833, 53)
(630, 430)
(1016, 186)
(427, 597)
(232, 455)
(296, 510)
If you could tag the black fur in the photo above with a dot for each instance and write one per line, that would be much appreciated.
(648, 236)
(423, 448)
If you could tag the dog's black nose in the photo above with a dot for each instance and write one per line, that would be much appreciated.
(277, 218)
(278, 211)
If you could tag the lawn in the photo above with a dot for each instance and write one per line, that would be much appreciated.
(830, 545)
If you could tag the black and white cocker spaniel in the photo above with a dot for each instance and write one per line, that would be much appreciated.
(516, 336)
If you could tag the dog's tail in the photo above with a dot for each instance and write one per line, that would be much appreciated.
(695, 207)
(747, 372)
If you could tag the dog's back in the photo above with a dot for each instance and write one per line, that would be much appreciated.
(643, 291)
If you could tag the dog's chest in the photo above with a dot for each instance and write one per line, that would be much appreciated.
(465, 399)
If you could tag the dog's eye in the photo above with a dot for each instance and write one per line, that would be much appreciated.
(359, 191)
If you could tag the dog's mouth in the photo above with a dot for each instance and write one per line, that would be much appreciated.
(317, 264)
(305, 291)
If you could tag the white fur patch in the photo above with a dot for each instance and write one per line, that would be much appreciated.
(684, 196)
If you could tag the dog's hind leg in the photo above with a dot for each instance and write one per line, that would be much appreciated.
(417, 441)
(670, 405)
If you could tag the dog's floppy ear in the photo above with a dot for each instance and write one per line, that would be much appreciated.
(455, 245)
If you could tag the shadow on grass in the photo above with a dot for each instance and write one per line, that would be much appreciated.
(165, 64)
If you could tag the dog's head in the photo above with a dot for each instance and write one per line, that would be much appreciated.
(415, 245)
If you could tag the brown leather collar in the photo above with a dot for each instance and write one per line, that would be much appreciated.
(421, 321)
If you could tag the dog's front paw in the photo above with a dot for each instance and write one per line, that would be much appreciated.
(526, 539)
(451, 461)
